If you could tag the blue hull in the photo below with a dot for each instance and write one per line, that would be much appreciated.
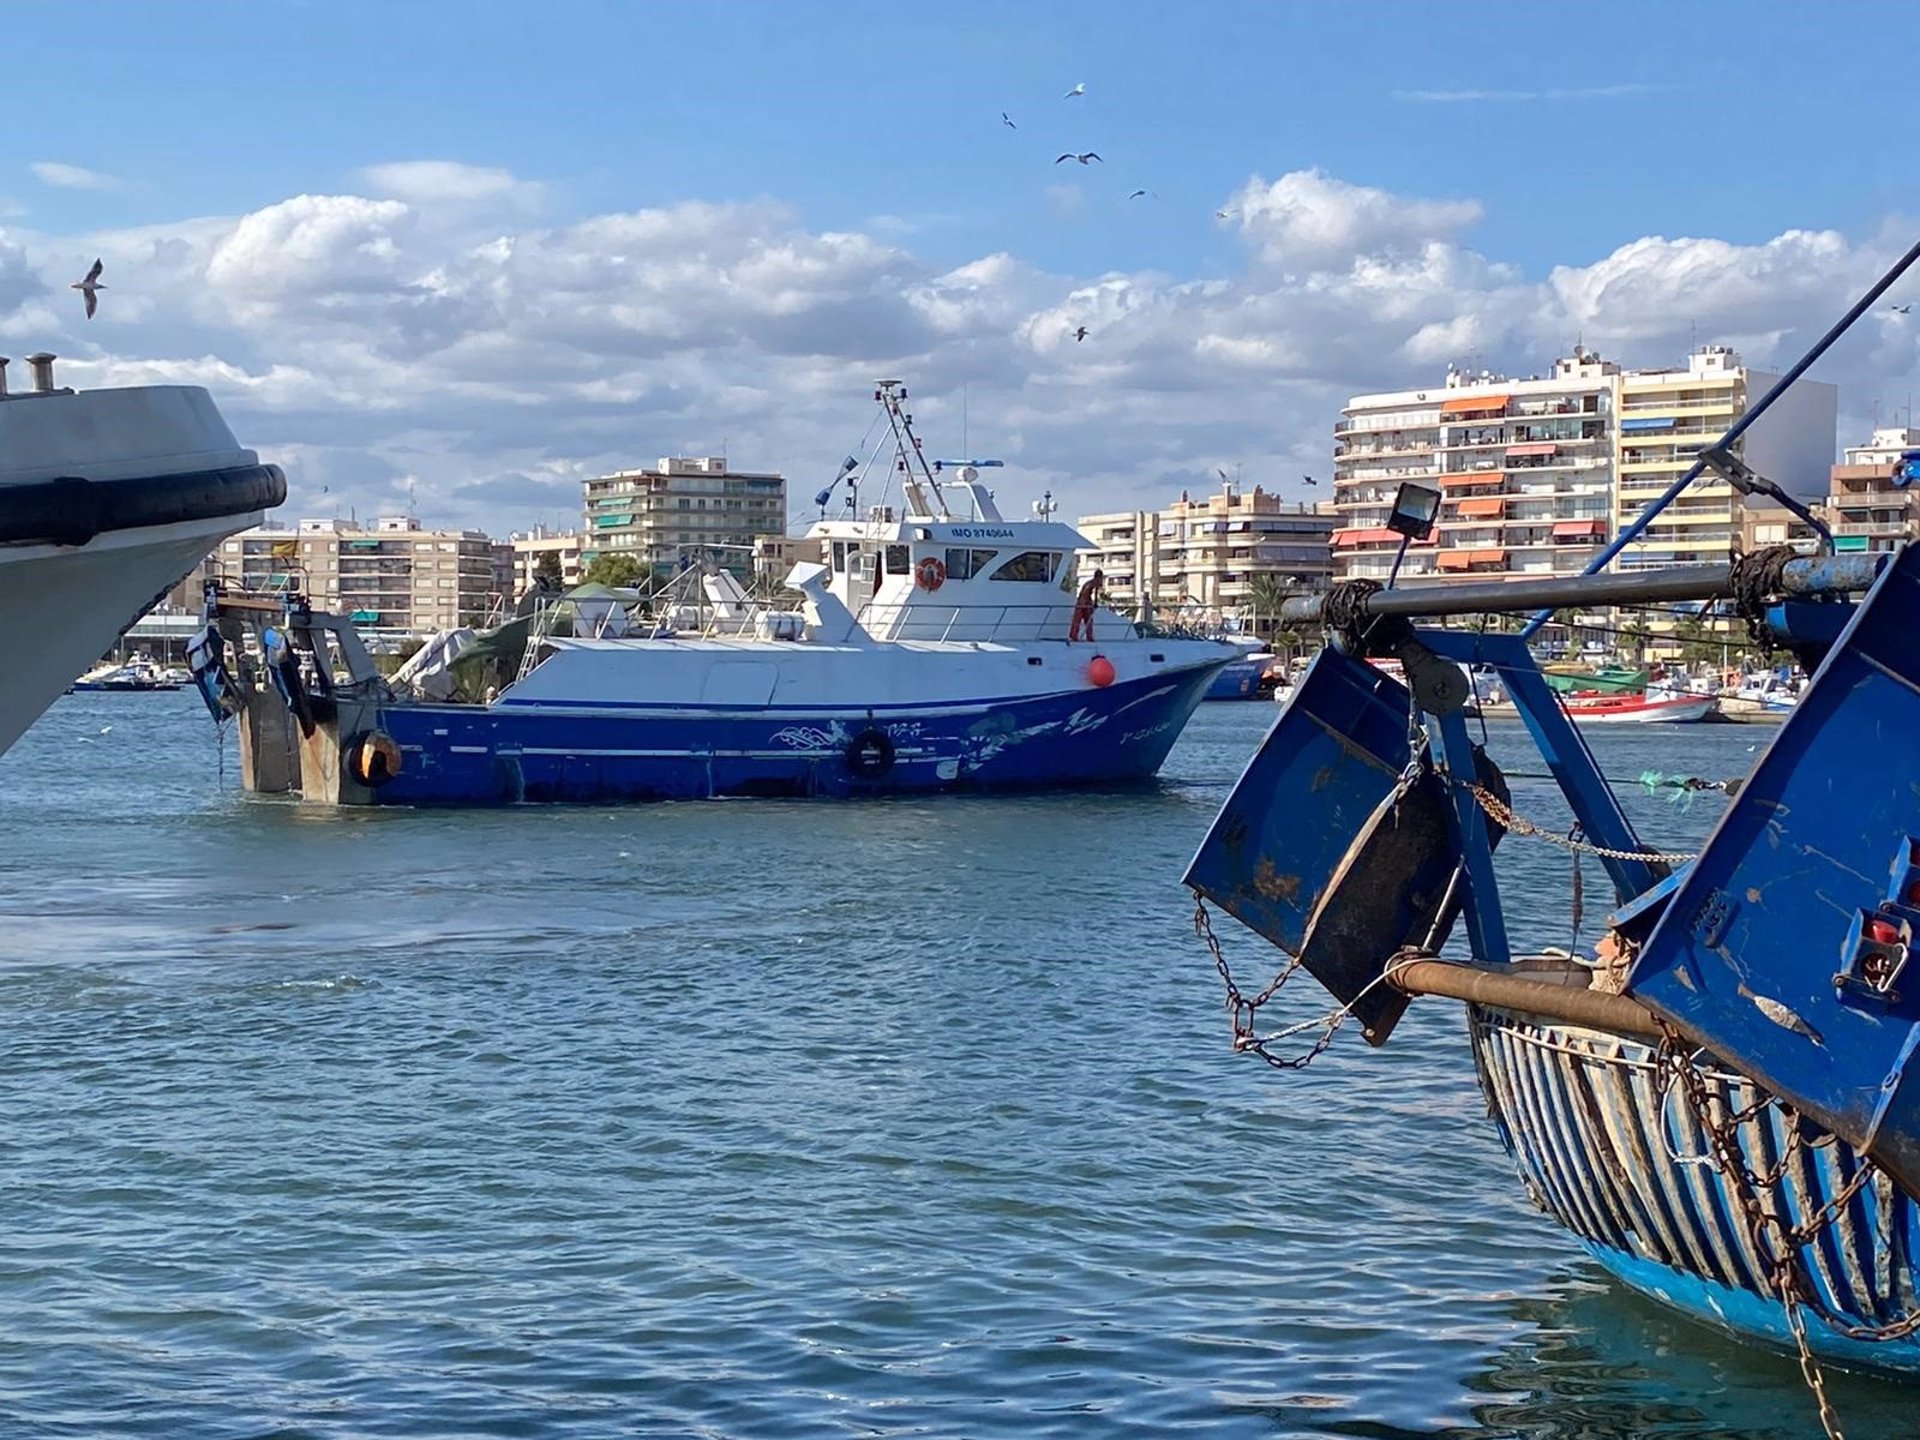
(1237, 681)
(500, 754)
(1610, 1154)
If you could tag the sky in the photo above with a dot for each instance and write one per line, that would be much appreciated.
(456, 257)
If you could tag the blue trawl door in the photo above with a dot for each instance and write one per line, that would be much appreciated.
(1786, 949)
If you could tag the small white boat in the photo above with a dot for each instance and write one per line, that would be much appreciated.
(138, 673)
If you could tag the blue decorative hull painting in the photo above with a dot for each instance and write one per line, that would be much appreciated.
(502, 754)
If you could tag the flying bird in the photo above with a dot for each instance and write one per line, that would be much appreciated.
(1079, 89)
(1309, 480)
(88, 286)
(1080, 334)
(1135, 195)
(1007, 120)
(1901, 309)
(1083, 157)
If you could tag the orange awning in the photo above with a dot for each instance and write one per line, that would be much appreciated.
(1486, 557)
(1534, 448)
(1468, 405)
(1453, 559)
(1481, 505)
(1363, 537)
(1462, 479)
(1582, 528)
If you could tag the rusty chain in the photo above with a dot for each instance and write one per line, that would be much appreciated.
(1780, 1244)
(1502, 814)
(1245, 1037)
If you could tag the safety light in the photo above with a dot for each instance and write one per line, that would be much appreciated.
(1415, 508)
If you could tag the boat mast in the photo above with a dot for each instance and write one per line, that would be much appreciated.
(916, 476)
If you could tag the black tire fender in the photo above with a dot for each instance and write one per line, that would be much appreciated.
(870, 754)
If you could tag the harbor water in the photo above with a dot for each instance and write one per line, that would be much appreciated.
(739, 1119)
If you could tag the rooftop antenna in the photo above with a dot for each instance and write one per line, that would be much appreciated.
(964, 447)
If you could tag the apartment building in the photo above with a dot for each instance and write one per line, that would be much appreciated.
(530, 549)
(1667, 416)
(394, 575)
(1866, 510)
(1524, 468)
(1126, 550)
(1203, 555)
(684, 507)
(1538, 473)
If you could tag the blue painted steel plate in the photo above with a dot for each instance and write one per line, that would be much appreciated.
(1784, 949)
(1308, 851)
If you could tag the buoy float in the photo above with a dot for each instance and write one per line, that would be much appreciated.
(1100, 671)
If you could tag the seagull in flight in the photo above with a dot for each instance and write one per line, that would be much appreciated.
(88, 286)
(1079, 89)
(1083, 157)
(1223, 214)
(1080, 334)
(1901, 309)
(1007, 120)
(1134, 196)
(1309, 480)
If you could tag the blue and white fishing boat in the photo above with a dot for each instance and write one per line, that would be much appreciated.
(942, 645)
(1716, 1100)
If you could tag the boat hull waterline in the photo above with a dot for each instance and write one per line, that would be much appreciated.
(471, 755)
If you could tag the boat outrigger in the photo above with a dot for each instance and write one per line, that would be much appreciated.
(941, 646)
(1721, 1100)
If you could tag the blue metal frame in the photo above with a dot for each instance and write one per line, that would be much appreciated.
(1566, 754)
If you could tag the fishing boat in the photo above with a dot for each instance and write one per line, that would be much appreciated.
(1640, 709)
(940, 646)
(1718, 1098)
(107, 498)
(1575, 679)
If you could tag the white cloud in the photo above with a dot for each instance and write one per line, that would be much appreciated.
(1310, 220)
(71, 177)
(495, 361)
(442, 182)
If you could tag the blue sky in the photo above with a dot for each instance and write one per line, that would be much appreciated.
(1568, 133)
(1722, 119)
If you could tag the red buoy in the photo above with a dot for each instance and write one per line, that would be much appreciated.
(1883, 932)
(1100, 671)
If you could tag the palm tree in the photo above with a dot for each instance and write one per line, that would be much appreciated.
(1268, 592)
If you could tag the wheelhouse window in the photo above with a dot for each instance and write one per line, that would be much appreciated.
(965, 564)
(897, 562)
(1032, 565)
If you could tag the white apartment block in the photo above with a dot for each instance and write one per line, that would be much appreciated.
(1204, 555)
(393, 576)
(532, 548)
(684, 508)
(1538, 473)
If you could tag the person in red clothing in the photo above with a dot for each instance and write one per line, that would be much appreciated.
(1083, 609)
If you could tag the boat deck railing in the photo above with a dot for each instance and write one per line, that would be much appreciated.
(1004, 624)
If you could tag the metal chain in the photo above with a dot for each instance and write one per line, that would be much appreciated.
(1503, 815)
(1780, 1244)
(1245, 1038)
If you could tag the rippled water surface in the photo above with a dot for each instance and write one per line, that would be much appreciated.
(755, 1119)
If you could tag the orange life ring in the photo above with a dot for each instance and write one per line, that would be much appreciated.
(930, 574)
